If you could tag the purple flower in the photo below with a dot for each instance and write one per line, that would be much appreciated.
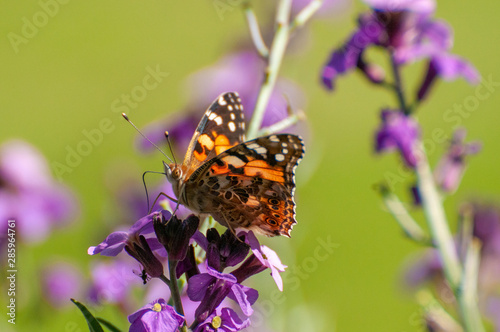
(175, 234)
(224, 251)
(267, 258)
(449, 67)
(451, 167)
(213, 287)
(404, 27)
(225, 321)
(398, 131)
(112, 281)
(135, 244)
(60, 282)
(116, 241)
(29, 194)
(155, 316)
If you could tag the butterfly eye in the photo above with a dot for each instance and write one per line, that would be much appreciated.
(177, 173)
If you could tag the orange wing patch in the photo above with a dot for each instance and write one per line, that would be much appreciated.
(222, 144)
(203, 147)
(262, 169)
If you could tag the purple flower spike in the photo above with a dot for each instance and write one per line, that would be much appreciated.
(116, 241)
(400, 132)
(175, 234)
(404, 28)
(268, 258)
(226, 321)
(451, 167)
(213, 287)
(155, 316)
(350, 55)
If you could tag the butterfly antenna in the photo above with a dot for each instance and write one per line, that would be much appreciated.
(145, 188)
(170, 147)
(145, 137)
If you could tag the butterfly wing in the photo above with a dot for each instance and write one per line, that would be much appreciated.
(250, 185)
(221, 127)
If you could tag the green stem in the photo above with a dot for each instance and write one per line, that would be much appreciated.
(404, 219)
(305, 14)
(467, 293)
(436, 220)
(255, 33)
(280, 125)
(174, 287)
(276, 54)
(398, 85)
(165, 280)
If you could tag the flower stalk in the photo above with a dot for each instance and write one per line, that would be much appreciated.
(275, 55)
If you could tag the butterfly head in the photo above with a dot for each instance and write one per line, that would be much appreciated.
(173, 172)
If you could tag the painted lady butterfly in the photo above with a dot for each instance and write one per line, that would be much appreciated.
(240, 184)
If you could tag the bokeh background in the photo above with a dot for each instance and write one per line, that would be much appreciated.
(65, 78)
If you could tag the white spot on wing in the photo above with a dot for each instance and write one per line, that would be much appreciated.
(261, 150)
(212, 116)
(232, 116)
(231, 126)
(279, 157)
(229, 107)
(222, 101)
(274, 138)
(218, 120)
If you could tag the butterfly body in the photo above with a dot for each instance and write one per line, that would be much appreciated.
(247, 184)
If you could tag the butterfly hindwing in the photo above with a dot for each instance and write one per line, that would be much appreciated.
(251, 185)
(222, 127)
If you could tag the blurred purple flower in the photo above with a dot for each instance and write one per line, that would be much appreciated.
(451, 167)
(29, 194)
(427, 267)
(112, 281)
(267, 258)
(404, 27)
(225, 321)
(449, 67)
(61, 282)
(400, 132)
(212, 287)
(155, 316)
(486, 218)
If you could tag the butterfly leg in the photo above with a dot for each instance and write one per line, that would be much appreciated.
(167, 196)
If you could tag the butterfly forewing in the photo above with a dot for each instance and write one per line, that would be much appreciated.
(250, 185)
(222, 127)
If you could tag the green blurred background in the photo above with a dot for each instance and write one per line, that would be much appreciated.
(64, 80)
